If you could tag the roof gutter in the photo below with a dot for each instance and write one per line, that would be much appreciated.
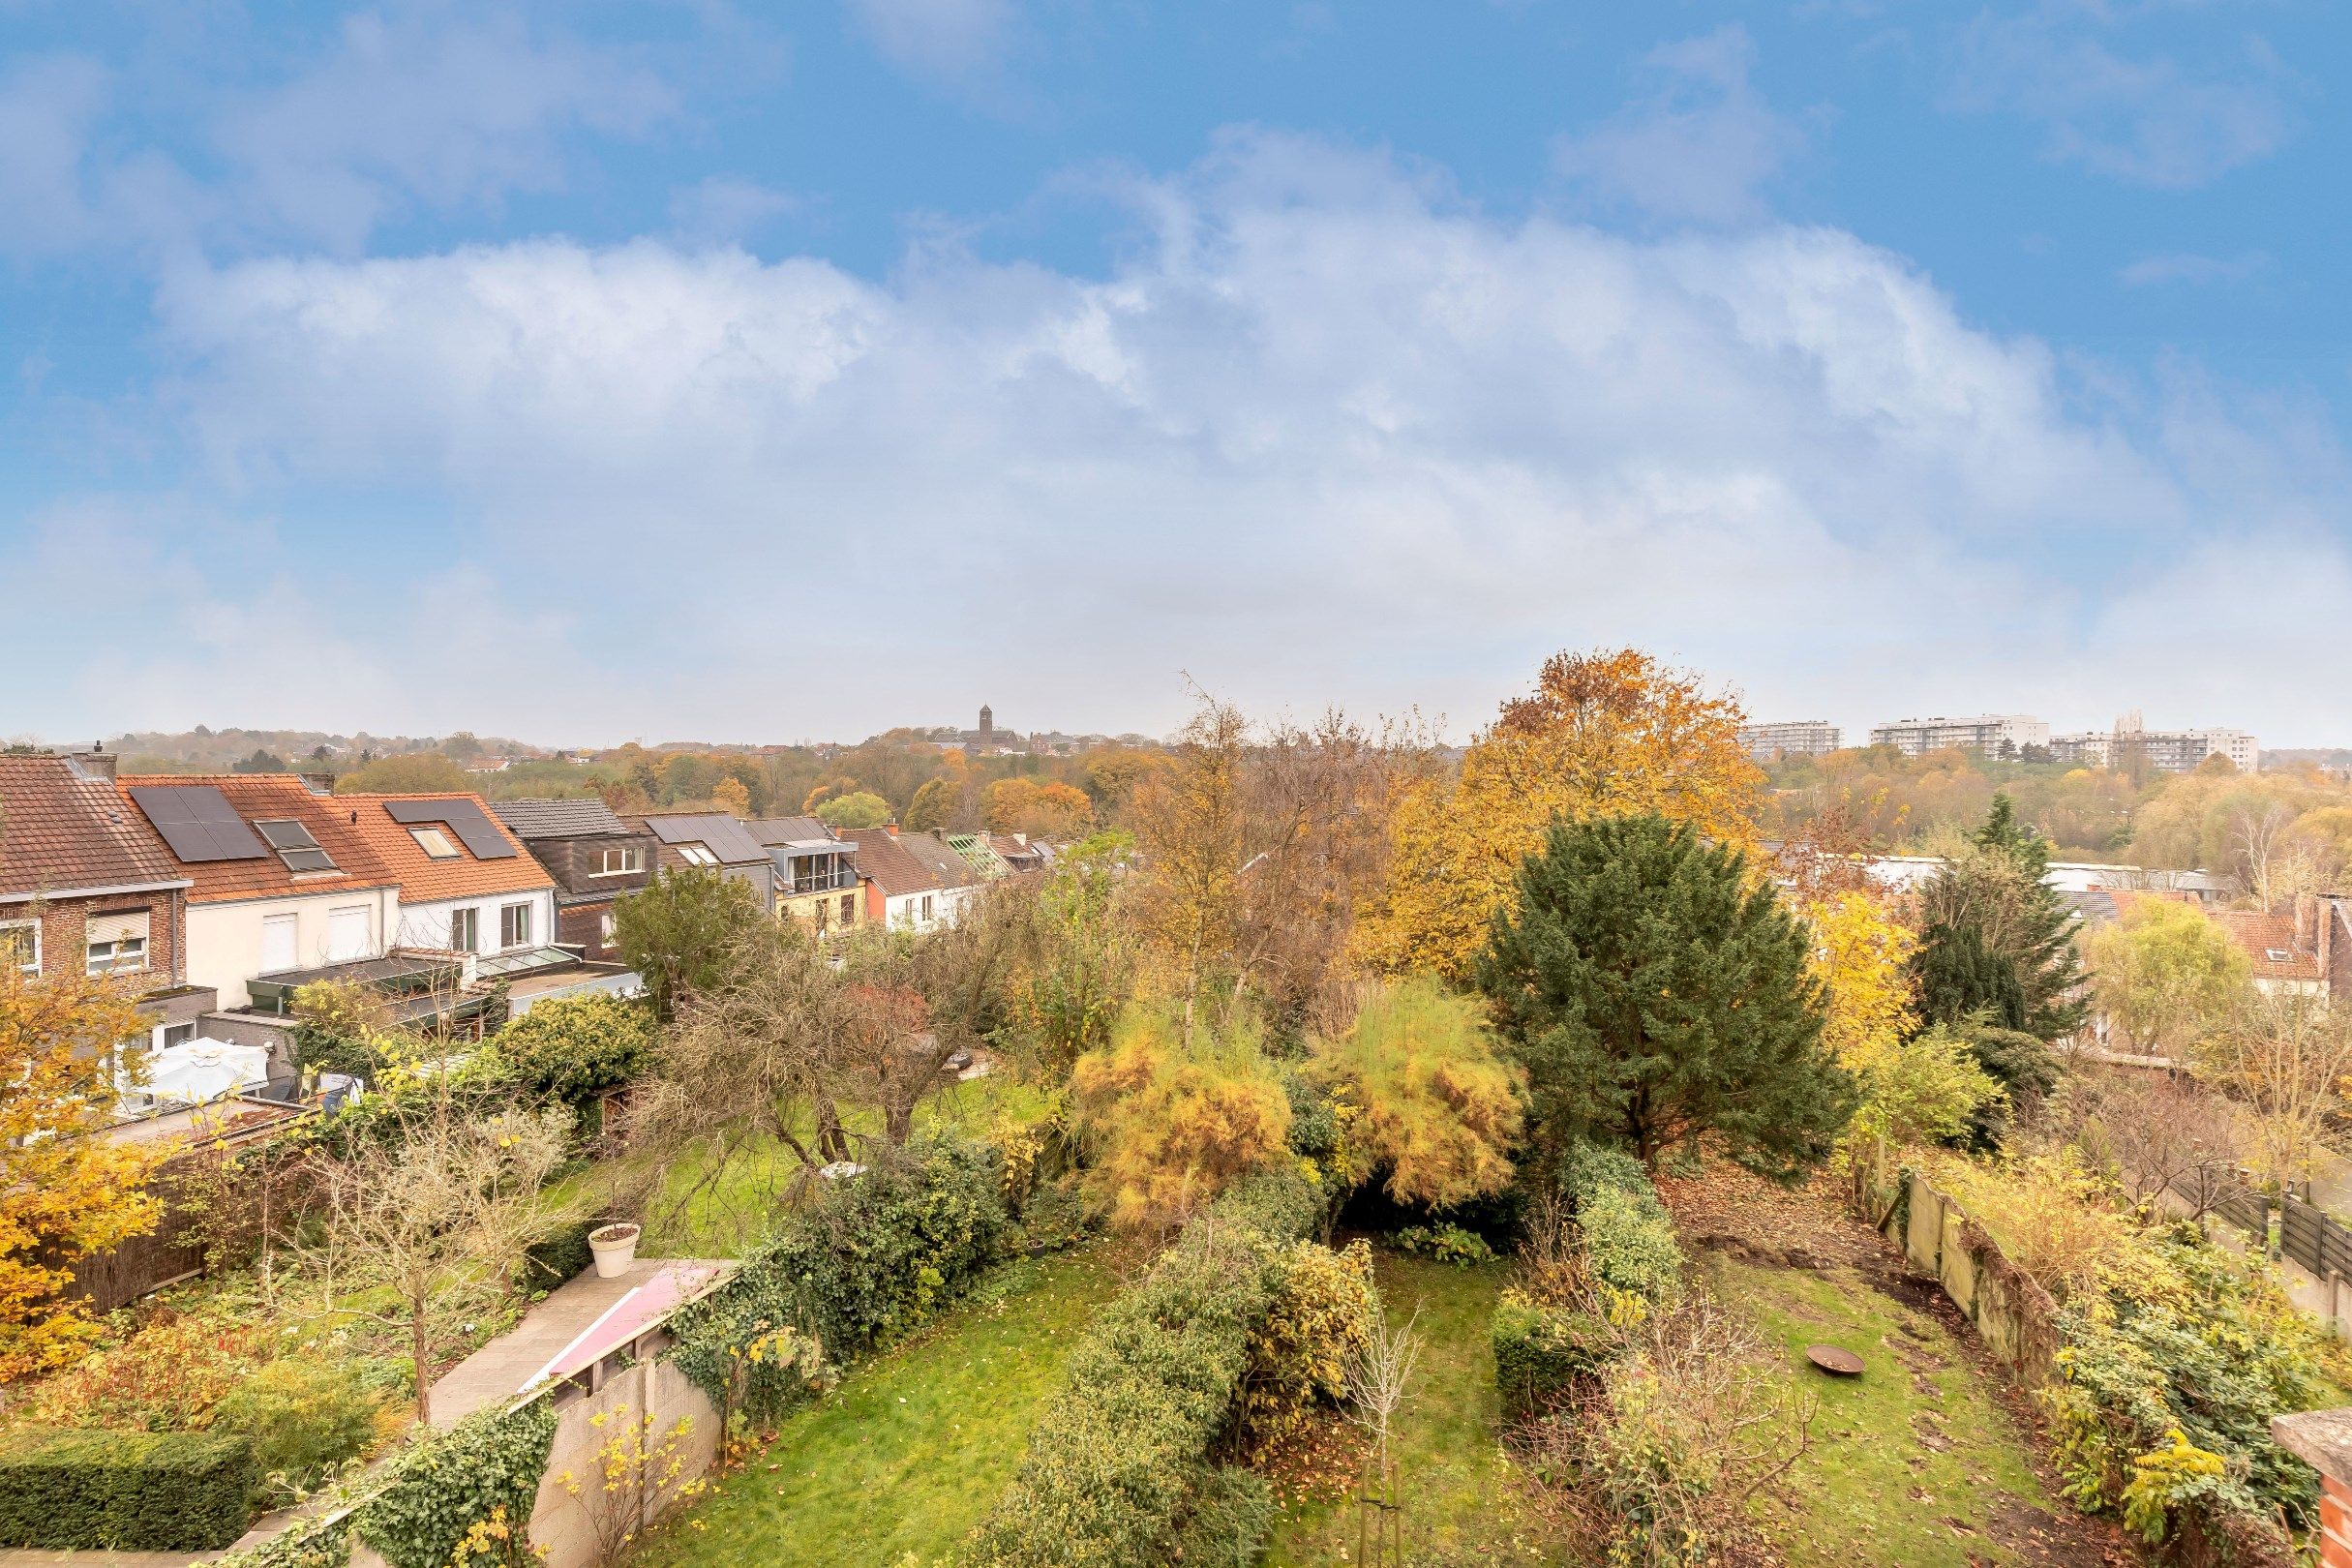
(93, 892)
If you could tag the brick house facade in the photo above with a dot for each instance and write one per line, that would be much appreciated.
(594, 858)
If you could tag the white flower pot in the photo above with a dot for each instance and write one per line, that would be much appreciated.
(614, 1247)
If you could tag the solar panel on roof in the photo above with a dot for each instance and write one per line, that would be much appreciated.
(197, 821)
(463, 818)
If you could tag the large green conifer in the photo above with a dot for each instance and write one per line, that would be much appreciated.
(1657, 993)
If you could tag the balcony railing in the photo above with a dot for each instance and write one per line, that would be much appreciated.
(818, 883)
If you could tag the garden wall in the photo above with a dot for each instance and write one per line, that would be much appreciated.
(2012, 1315)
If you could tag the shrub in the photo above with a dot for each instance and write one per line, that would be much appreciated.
(1322, 1307)
(1628, 1237)
(562, 1256)
(1054, 1216)
(872, 1259)
(126, 1491)
(1117, 1469)
(575, 1047)
(1652, 1463)
(304, 1418)
(1447, 1244)
(443, 1485)
(165, 1377)
(1541, 1348)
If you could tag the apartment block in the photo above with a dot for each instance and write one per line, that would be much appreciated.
(1794, 737)
(2000, 735)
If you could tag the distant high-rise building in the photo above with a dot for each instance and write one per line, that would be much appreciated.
(1793, 738)
(2164, 751)
(1997, 734)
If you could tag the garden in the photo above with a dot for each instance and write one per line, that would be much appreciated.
(1349, 1157)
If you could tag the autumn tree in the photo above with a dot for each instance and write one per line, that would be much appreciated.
(1175, 1118)
(933, 804)
(1038, 808)
(2287, 1058)
(860, 808)
(1077, 970)
(2166, 975)
(920, 1000)
(680, 931)
(731, 796)
(1657, 993)
(1441, 1105)
(64, 1192)
(432, 1218)
(1256, 851)
(1604, 734)
(420, 772)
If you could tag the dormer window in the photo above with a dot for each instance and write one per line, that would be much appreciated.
(295, 846)
(435, 843)
(619, 863)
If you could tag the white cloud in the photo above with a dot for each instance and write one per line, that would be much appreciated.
(949, 41)
(443, 108)
(2149, 121)
(1329, 436)
(1700, 147)
(2181, 268)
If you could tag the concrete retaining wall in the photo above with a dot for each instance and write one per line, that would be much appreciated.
(2011, 1314)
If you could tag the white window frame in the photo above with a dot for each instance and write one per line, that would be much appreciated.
(117, 957)
(510, 916)
(632, 860)
(428, 836)
(604, 928)
(34, 926)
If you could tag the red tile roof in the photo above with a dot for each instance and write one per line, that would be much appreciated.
(2262, 935)
(883, 857)
(424, 880)
(274, 798)
(62, 831)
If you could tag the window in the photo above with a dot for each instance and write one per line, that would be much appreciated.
(121, 956)
(848, 909)
(295, 846)
(514, 925)
(619, 863)
(350, 934)
(604, 929)
(20, 945)
(2276, 955)
(465, 930)
(178, 1034)
(926, 907)
(279, 946)
(696, 855)
(435, 843)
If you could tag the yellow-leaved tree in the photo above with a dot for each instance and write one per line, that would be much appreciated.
(1173, 1123)
(1604, 734)
(1917, 1087)
(1440, 1106)
(64, 1192)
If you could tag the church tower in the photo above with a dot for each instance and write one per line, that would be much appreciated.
(987, 729)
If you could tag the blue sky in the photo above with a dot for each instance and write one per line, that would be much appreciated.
(667, 370)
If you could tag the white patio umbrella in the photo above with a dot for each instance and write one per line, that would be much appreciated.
(198, 1070)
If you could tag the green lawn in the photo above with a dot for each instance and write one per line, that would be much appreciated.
(914, 1445)
(1912, 1463)
(1457, 1483)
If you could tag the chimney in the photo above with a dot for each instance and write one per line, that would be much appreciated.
(318, 783)
(890, 828)
(96, 762)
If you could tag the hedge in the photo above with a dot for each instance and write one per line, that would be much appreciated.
(1628, 1236)
(1117, 1470)
(444, 1484)
(872, 1259)
(1540, 1350)
(561, 1257)
(125, 1491)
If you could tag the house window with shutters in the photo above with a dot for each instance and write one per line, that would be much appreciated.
(116, 944)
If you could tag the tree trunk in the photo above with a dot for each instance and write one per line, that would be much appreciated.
(833, 1142)
(420, 1357)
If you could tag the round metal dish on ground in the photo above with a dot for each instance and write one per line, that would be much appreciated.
(1830, 1359)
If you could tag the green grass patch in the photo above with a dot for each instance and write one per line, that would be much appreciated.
(1912, 1463)
(912, 1447)
(1458, 1486)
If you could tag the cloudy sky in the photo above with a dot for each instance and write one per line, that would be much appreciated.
(590, 371)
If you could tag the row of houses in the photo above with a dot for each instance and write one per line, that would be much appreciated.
(221, 894)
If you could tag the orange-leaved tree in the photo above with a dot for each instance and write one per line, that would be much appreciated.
(1174, 1123)
(64, 1192)
(1604, 734)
